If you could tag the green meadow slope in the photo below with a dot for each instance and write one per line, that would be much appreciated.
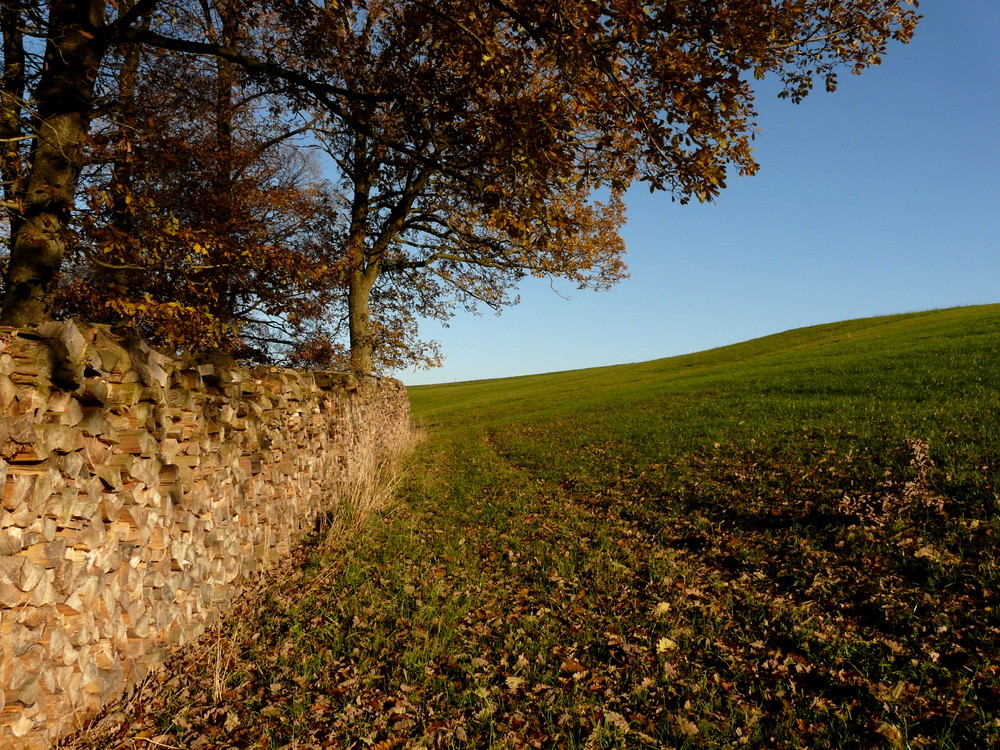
(787, 543)
(911, 358)
(818, 519)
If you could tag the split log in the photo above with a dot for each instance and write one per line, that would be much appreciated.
(93, 535)
(44, 593)
(93, 424)
(111, 476)
(95, 452)
(17, 490)
(25, 692)
(48, 525)
(68, 574)
(114, 358)
(59, 508)
(152, 372)
(8, 392)
(45, 485)
(31, 400)
(69, 350)
(109, 393)
(143, 470)
(11, 596)
(169, 473)
(11, 541)
(111, 504)
(46, 555)
(72, 414)
(73, 463)
(59, 438)
(21, 517)
(22, 430)
(137, 442)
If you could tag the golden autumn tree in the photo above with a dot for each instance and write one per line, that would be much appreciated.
(421, 234)
(478, 135)
(73, 71)
(472, 138)
(201, 221)
(198, 222)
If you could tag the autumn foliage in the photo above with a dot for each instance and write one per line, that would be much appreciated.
(162, 161)
(208, 232)
(202, 224)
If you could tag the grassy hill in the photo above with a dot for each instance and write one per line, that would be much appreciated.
(815, 512)
(790, 542)
(943, 350)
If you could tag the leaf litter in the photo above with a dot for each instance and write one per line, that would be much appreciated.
(723, 598)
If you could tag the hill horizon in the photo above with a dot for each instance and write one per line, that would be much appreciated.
(864, 322)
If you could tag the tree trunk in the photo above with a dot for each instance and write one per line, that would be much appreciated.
(65, 101)
(361, 273)
(362, 279)
(12, 129)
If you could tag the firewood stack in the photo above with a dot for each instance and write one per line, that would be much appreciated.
(140, 492)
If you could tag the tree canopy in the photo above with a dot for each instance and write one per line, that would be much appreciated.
(155, 174)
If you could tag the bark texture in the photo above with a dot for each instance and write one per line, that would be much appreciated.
(65, 101)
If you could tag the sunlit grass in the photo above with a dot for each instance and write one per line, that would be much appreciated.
(786, 543)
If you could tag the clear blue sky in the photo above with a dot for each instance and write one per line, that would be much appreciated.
(883, 197)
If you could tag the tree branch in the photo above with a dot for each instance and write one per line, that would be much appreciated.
(133, 14)
(251, 65)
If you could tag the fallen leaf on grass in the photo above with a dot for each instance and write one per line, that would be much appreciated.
(514, 682)
(390, 744)
(616, 720)
(688, 728)
(665, 644)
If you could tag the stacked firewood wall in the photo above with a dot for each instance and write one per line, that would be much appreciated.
(140, 491)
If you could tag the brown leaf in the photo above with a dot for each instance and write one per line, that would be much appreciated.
(571, 665)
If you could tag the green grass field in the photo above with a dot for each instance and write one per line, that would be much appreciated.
(788, 543)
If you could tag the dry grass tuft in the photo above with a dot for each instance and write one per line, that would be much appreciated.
(371, 481)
